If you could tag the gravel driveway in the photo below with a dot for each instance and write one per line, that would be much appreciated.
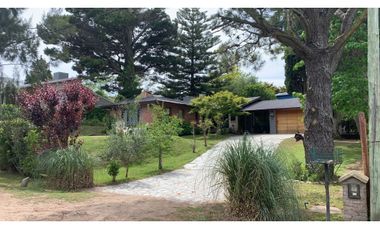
(194, 182)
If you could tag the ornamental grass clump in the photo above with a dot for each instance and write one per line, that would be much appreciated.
(67, 169)
(256, 182)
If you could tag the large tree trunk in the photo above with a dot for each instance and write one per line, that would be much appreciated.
(318, 106)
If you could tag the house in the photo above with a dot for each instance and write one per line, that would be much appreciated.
(281, 115)
(142, 114)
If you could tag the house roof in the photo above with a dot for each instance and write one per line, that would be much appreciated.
(354, 174)
(273, 104)
(51, 82)
(103, 102)
(157, 98)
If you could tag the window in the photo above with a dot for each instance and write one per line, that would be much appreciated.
(180, 114)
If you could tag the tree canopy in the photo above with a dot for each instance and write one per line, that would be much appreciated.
(194, 62)
(17, 42)
(117, 45)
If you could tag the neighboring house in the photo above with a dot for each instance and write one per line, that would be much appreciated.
(281, 115)
(142, 114)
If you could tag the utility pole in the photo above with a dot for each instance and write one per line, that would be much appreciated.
(374, 111)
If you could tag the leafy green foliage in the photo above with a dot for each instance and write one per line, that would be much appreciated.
(117, 45)
(127, 145)
(194, 62)
(113, 169)
(244, 85)
(217, 106)
(162, 131)
(350, 82)
(257, 183)
(39, 72)
(295, 73)
(67, 169)
(18, 141)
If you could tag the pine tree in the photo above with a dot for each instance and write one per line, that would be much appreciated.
(39, 72)
(194, 62)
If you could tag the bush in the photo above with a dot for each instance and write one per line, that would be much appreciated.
(67, 169)
(256, 182)
(113, 169)
(18, 141)
(186, 129)
(299, 171)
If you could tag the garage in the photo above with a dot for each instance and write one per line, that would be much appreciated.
(289, 121)
(279, 116)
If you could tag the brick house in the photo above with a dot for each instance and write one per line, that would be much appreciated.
(174, 107)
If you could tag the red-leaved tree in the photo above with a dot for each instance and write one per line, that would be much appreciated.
(57, 110)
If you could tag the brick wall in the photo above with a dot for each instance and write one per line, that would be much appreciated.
(175, 110)
(355, 209)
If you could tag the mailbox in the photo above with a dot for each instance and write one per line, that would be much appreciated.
(355, 196)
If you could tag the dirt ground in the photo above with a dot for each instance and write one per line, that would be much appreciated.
(104, 206)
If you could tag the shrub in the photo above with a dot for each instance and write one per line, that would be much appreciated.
(18, 141)
(256, 182)
(113, 169)
(186, 128)
(299, 170)
(57, 111)
(67, 169)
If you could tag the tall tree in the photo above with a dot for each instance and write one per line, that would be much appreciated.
(39, 72)
(17, 42)
(313, 44)
(195, 62)
(117, 45)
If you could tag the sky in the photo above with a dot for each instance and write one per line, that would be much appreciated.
(273, 71)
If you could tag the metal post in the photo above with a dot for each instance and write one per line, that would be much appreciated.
(327, 191)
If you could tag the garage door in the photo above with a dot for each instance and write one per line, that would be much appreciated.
(289, 121)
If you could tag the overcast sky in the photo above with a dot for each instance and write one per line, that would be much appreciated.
(271, 72)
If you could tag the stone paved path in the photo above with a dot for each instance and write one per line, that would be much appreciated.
(194, 182)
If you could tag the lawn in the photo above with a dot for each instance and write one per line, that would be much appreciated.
(314, 193)
(179, 155)
(351, 153)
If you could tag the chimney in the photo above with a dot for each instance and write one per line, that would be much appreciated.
(60, 76)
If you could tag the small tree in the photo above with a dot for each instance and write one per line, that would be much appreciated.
(128, 146)
(162, 130)
(113, 169)
(57, 112)
(205, 124)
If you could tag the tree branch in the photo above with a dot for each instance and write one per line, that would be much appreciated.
(347, 30)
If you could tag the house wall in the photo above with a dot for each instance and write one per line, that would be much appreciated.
(174, 110)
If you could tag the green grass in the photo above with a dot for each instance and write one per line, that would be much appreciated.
(11, 183)
(92, 130)
(351, 152)
(179, 155)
